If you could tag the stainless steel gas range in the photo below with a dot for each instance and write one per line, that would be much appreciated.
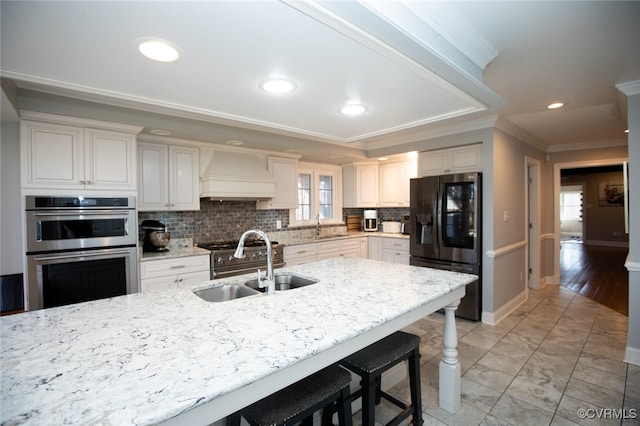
(223, 264)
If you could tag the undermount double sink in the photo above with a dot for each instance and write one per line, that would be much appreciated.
(224, 292)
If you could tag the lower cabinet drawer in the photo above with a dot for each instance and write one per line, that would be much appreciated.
(395, 244)
(175, 266)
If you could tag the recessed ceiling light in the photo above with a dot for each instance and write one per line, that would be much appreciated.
(555, 105)
(412, 154)
(278, 86)
(353, 109)
(160, 132)
(158, 50)
(235, 142)
(383, 158)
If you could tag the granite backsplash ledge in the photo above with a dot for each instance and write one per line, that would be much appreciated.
(227, 220)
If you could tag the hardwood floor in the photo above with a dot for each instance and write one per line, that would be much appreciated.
(596, 272)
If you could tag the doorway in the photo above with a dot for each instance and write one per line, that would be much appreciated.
(594, 269)
(572, 213)
(532, 223)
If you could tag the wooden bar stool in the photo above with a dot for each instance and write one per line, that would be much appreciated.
(370, 362)
(327, 389)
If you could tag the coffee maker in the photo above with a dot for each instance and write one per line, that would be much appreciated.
(156, 237)
(370, 220)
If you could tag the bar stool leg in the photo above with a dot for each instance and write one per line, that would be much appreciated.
(369, 395)
(234, 420)
(416, 394)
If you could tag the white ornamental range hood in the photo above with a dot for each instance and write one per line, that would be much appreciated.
(237, 175)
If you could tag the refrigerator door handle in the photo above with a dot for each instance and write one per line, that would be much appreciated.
(439, 205)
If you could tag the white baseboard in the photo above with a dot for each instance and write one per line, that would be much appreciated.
(632, 356)
(493, 318)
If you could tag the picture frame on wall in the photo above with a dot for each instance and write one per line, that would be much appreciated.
(611, 194)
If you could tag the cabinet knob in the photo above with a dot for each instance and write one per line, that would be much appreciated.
(88, 182)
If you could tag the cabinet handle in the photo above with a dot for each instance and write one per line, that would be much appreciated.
(177, 266)
(302, 251)
(88, 182)
(171, 204)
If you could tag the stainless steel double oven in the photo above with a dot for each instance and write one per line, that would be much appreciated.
(80, 249)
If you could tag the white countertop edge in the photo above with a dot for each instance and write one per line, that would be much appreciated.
(240, 398)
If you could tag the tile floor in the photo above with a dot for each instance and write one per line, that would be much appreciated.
(557, 354)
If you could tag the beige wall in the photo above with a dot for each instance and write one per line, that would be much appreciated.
(505, 193)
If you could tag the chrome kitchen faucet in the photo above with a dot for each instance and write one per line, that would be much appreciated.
(270, 282)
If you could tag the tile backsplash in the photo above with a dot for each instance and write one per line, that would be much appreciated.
(227, 220)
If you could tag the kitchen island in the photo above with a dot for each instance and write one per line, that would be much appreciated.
(172, 357)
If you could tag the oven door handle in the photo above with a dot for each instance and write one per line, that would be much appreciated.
(85, 213)
(85, 254)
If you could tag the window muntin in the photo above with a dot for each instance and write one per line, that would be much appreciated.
(319, 195)
(325, 197)
(571, 205)
(303, 212)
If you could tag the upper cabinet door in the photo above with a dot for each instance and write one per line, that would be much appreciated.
(360, 184)
(109, 160)
(285, 172)
(52, 155)
(169, 177)
(153, 185)
(60, 156)
(394, 183)
(184, 178)
(460, 159)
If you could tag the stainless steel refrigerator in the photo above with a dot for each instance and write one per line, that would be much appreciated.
(445, 230)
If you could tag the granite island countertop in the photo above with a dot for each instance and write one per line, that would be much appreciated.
(146, 358)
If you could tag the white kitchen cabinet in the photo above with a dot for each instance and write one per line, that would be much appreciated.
(285, 172)
(56, 155)
(460, 159)
(313, 252)
(394, 183)
(167, 273)
(395, 250)
(375, 248)
(168, 177)
(364, 247)
(299, 254)
(349, 247)
(360, 184)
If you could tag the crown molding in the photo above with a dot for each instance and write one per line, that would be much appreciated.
(454, 29)
(432, 132)
(511, 129)
(587, 145)
(630, 88)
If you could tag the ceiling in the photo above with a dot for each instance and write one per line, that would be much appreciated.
(422, 69)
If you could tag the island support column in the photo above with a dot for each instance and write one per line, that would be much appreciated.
(449, 366)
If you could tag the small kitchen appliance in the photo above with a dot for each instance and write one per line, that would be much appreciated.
(404, 225)
(156, 237)
(370, 220)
